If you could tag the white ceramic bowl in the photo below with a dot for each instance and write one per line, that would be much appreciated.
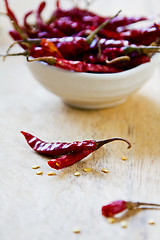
(90, 90)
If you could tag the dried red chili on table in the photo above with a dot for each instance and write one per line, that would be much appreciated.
(66, 154)
(115, 207)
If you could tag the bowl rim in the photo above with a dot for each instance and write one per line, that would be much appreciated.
(107, 76)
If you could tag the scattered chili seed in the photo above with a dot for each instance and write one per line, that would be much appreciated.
(151, 221)
(124, 224)
(124, 158)
(39, 172)
(111, 220)
(51, 174)
(77, 174)
(76, 230)
(105, 170)
(87, 169)
(35, 167)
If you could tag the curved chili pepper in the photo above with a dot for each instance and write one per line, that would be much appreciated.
(69, 153)
(10, 12)
(77, 66)
(57, 148)
(31, 30)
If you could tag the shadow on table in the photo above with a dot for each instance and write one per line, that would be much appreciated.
(130, 213)
(137, 120)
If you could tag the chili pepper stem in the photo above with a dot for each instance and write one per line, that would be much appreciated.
(14, 54)
(103, 142)
(148, 204)
(133, 205)
(25, 53)
(2, 13)
(50, 60)
(90, 38)
(16, 42)
(118, 59)
(141, 49)
(19, 30)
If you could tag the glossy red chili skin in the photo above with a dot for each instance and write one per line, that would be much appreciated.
(10, 12)
(142, 36)
(74, 13)
(79, 66)
(136, 61)
(69, 159)
(69, 27)
(58, 148)
(114, 208)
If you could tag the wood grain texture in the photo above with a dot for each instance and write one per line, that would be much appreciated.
(49, 207)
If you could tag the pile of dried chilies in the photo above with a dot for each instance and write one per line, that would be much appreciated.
(79, 40)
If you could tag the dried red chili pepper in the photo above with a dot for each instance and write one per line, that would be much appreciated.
(66, 154)
(123, 21)
(68, 159)
(125, 57)
(68, 26)
(57, 148)
(61, 148)
(51, 48)
(110, 210)
(77, 66)
(113, 208)
(142, 36)
(10, 12)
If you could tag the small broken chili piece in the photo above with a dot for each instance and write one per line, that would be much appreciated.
(66, 154)
(115, 207)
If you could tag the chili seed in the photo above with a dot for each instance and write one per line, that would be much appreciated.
(77, 174)
(111, 220)
(87, 169)
(39, 172)
(76, 230)
(35, 167)
(124, 158)
(151, 221)
(105, 170)
(51, 174)
(124, 224)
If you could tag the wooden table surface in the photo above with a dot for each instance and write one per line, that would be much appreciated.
(49, 207)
